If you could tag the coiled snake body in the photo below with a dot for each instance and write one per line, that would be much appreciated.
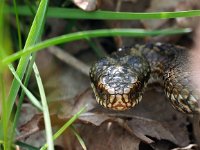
(119, 80)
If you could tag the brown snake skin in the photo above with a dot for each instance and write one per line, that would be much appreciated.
(119, 80)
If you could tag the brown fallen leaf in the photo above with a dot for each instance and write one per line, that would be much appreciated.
(138, 126)
(107, 136)
(143, 123)
(30, 127)
(151, 128)
(85, 98)
(61, 111)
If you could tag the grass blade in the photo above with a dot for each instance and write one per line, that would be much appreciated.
(33, 36)
(68, 13)
(32, 98)
(65, 126)
(18, 24)
(78, 137)
(92, 34)
(46, 115)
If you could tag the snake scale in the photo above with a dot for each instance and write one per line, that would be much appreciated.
(119, 80)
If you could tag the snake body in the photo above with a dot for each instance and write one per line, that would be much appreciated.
(119, 80)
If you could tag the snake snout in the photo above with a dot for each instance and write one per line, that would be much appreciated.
(115, 99)
(117, 92)
(123, 101)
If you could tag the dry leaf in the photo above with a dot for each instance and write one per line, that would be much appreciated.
(87, 5)
(151, 128)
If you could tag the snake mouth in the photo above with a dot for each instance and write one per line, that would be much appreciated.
(109, 98)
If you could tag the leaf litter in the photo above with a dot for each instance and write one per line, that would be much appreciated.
(152, 124)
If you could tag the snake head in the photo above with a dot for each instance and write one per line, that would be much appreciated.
(116, 87)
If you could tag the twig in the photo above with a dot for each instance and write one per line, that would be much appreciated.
(70, 60)
(27, 134)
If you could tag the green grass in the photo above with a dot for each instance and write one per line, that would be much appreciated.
(68, 13)
(26, 56)
(33, 37)
(65, 126)
(31, 97)
(92, 34)
(45, 108)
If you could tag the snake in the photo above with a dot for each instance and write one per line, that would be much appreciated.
(120, 80)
